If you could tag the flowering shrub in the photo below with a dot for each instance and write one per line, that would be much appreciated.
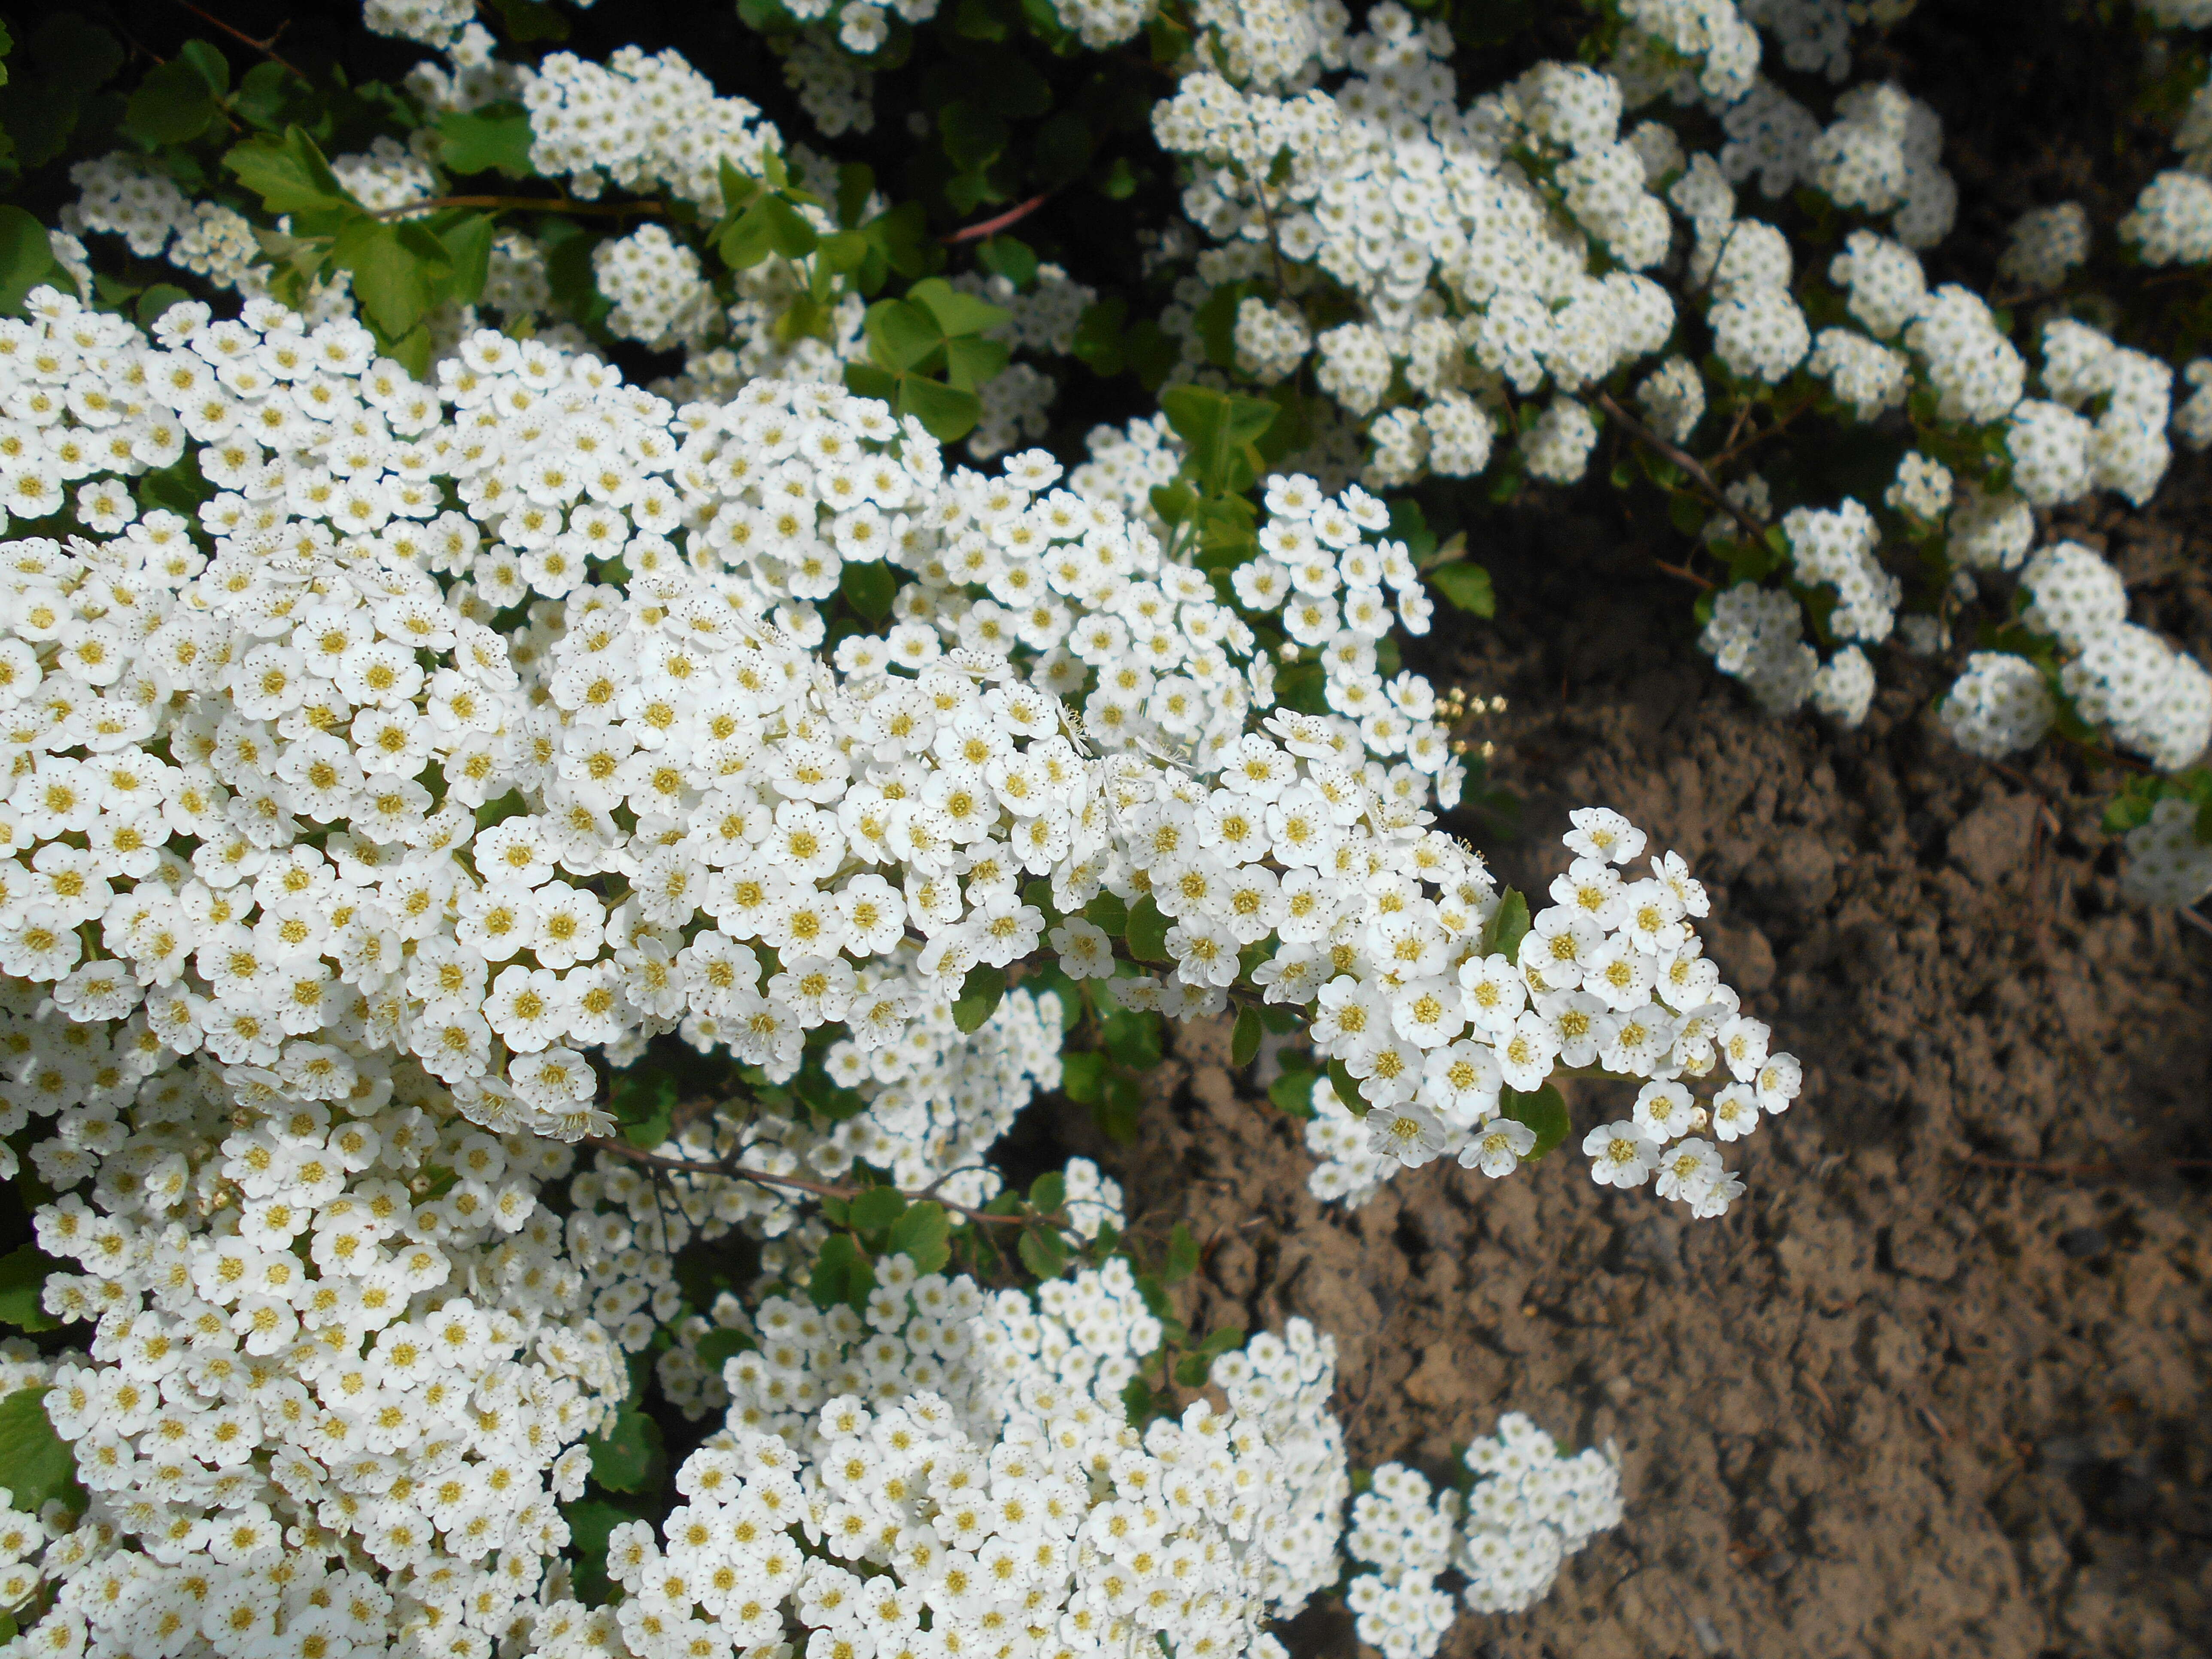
(554, 824)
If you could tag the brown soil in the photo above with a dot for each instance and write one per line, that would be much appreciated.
(1909, 1397)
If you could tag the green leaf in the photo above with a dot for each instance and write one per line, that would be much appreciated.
(956, 313)
(74, 55)
(903, 234)
(398, 271)
(289, 174)
(901, 335)
(263, 93)
(1347, 1089)
(980, 994)
(1466, 586)
(876, 1209)
(27, 257)
(789, 233)
(642, 1099)
(868, 587)
(1133, 1038)
(1008, 257)
(719, 1346)
(1244, 1043)
(856, 182)
(529, 20)
(1543, 1111)
(1117, 1113)
(840, 1274)
(969, 361)
(35, 1463)
(494, 138)
(467, 242)
(1148, 931)
(171, 106)
(1044, 1253)
(1182, 1255)
(1083, 1076)
(1220, 427)
(1099, 335)
(1048, 1191)
(1107, 915)
(208, 61)
(923, 1235)
(1508, 927)
(1292, 1093)
(156, 300)
(23, 1280)
(973, 136)
(946, 412)
(625, 1456)
(591, 1522)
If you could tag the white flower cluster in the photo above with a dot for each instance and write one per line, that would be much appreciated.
(643, 121)
(1527, 1509)
(968, 1461)
(1611, 975)
(2166, 864)
(1466, 276)
(119, 195)
(342, 1364)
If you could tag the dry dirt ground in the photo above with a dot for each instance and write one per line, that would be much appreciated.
(1938, 1386)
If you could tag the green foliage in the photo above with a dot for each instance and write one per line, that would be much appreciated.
(1147, 932)
(22, 1281)
(629, 1456)
(493, 138)
(928, 355)
(1544, 1111)
(1292, 1093)
(35, 1463)
(26, 257)
(1508, 926)
(981, 994)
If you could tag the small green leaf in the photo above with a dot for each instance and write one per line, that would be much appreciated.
(969, 361)
(1107, 915)
(529, 19)
(956, 313)
(27, 257)
(1508, 927)
(642, 1100)
(1044, 1253)
(1347, 1088)
(1543, 1111)
(1182, 1255)
(868, 587)
(1466, 586)
(1048, 1191)
(719, 1346)
(901, 335)
(1148, 931)
(624, 1457)
(35, 1463)
(74, 54)
(397, 271)
(1244, 1042)
(171, 106)
(289, 174)
(946, 412)
(493, 139)
(1117, 1114)
(856, 182)
(1292, 1094)
(156, 300)
(23, 1282)
(923, 1235)
(840, 1274)
(1083, 1076)
(980, 994)
(467, 243)
(1133, 1038)
(876, 1209)
(591, 1522)
(1220, 427)
(1008, 257)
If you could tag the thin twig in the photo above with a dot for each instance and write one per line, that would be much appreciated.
(1758, 437)
(992, 227)
(525, 204)
(2190, 914)
(266, 48)
(1689, 463)
(1687, 575)
(816, 1189)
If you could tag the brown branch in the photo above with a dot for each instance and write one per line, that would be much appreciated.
(266, 48)
(1687, 575)
(732, 1172)
(525, 204)
(1758, 437)
(992, 227)
(1689, 463)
